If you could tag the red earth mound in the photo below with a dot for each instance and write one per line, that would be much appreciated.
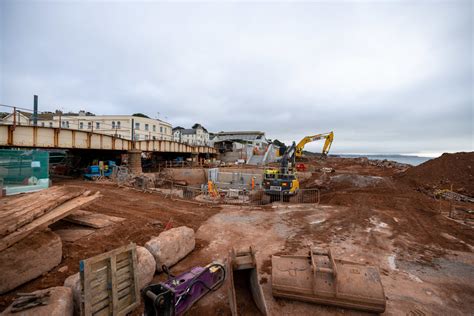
(456, 170)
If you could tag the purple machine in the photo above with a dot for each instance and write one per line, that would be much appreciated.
(176, 295)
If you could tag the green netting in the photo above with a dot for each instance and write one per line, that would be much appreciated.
(23, 166)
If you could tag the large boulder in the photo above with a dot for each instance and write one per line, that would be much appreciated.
(59, 304)
(29, 258)
(145, 267)
(74, 283)
(171, 246)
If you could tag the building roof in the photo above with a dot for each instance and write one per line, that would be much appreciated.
(29, 115)
(177, 128)
(239, 136)
(239, 133)
(98, 117)
(188, 131)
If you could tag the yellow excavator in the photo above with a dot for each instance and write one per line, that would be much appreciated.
(327, 144)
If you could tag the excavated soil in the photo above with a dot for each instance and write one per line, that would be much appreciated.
(368, 214)
(454, 171)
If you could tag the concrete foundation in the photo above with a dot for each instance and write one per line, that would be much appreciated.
(192, 176)
(135, 161)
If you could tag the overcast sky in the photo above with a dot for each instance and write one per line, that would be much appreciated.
(386, 77)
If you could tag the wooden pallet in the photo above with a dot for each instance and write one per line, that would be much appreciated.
(109, 282)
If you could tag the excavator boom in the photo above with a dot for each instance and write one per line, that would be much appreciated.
(329, 137)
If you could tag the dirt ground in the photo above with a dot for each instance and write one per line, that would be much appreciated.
(367, 214)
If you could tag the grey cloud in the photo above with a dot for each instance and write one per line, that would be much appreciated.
(386, 77)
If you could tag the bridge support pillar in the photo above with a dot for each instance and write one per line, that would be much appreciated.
(135, 161)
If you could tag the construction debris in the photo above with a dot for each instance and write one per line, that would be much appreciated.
(54, 301)
(29, 300)
(450, 195)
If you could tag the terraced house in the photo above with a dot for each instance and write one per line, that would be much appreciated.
(142, 127)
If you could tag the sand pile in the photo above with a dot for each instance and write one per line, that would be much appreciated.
(440, 173)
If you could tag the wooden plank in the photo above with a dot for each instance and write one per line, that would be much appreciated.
(94, 220)
(114, 285)
(47, 219)
(22, 215)
(123, 263)
(17, 215)
(101, 304)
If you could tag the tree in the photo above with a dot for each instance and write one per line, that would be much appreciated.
(140, 115)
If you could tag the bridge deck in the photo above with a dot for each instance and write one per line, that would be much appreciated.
(47, 137)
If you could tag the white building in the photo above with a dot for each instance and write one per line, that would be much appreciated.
(254, 138)
(24, 118)
(197, 135)
(117, 125)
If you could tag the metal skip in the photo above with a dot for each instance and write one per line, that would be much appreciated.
(319, 278)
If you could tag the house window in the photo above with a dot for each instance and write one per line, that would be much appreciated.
(50, 124)
(113, 124)
(97, 125)
(146, 136)
(137, 125)
(118, 124)
(89, 125)
(67, 124)
(42, 124)
(154, 128)
(81, 125)
(161, 129)
(154, 137)
(146, 127)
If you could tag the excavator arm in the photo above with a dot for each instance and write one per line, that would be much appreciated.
(329, 137)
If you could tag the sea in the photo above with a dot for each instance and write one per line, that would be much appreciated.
(409, 159)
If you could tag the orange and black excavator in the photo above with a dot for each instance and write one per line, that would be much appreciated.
(327, 144)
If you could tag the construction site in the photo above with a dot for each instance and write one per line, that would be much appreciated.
(313, 234)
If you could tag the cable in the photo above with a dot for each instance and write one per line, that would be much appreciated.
(167, 271)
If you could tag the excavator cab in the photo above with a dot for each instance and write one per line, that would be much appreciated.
(282, 182)
(276, 183)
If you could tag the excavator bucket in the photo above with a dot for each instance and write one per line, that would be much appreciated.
(246, 296)
(319, 278)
